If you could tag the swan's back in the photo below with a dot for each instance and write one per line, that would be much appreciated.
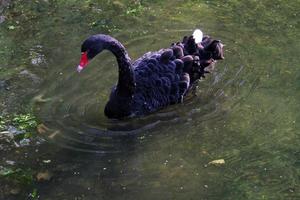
(158, 81)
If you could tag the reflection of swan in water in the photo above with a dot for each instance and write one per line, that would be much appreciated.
(157, 79)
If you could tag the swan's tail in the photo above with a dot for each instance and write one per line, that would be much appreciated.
(198, 36)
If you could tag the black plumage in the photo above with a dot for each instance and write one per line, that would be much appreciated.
(157, 79)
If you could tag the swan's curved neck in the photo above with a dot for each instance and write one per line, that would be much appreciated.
(126, 81)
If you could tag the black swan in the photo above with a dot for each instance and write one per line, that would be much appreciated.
(157, 79)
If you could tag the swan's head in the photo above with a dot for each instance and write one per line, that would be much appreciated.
(89, 49)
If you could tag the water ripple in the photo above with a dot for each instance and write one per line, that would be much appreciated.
(73, 111)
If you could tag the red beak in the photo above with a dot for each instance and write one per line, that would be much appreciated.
(83, 61)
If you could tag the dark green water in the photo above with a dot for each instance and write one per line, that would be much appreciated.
(246, 112)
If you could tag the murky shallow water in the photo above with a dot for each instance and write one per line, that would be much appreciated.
(245, 112)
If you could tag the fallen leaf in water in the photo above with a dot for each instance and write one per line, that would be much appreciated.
(46, 161)
(40, 99)
(44, 176)
(15, 191)
(217, 162)
(204, 152)
(41, 128)
(52, 135)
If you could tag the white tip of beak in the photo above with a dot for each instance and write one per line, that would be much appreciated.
(198, 35)
(79, 68)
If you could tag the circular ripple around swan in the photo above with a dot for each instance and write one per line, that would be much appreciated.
(72, 107)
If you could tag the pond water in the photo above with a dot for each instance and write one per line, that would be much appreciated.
(245, 112)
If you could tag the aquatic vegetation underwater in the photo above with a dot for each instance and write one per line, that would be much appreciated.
(236, 138)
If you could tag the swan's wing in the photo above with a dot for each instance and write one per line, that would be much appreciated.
(157, 80)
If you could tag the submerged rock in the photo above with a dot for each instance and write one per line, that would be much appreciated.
(3, 4)
(24, 142)
(4, 85)
(2, 19)
(36, 55)
(13, 130)
(30, 75)
(10, 133)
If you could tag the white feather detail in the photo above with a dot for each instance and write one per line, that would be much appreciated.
(198, 35)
